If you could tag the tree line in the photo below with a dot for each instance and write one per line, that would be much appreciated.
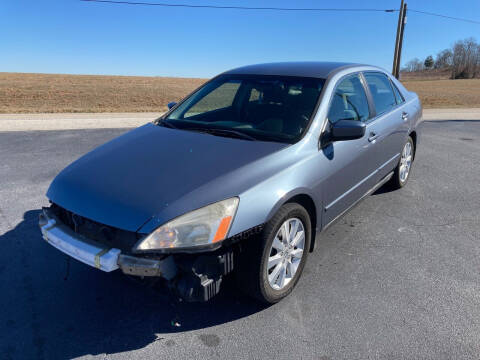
(462, 59)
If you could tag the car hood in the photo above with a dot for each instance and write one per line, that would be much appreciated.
(144, 172)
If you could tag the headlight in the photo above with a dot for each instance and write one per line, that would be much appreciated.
(200, 227)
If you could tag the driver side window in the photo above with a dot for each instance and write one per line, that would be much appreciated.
(349, 101)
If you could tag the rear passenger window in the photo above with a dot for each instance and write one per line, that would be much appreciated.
(349, 101)
(398, 95)
(382, 92)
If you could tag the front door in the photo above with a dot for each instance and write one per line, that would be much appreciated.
(351, 165)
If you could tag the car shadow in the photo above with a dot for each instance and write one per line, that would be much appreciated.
(385, 188)
(53, 310)
(451, 121)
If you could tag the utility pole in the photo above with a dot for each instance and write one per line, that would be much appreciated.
(402, 19)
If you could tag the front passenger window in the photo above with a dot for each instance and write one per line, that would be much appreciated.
(349, 101)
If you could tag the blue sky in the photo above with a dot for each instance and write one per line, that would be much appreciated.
(69, 36)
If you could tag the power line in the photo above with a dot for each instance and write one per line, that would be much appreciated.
(236, 7)
(120, 2)
(445, 16)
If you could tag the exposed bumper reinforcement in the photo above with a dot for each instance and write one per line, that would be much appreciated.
(192, 277)
(132, 265)
(96, 255)
(75, 245)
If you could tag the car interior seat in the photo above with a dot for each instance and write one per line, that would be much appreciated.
(300, 109)
(269, 113)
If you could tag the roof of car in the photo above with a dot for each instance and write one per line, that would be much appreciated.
(316, 69)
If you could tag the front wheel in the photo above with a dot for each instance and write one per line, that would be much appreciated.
(272, 264)
(404, 167)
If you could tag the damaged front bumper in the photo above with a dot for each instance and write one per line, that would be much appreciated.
(192, 277)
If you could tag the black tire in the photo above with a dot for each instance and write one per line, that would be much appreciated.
(251, 273)
(396, 181)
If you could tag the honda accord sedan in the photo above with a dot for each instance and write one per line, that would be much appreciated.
(239, 177)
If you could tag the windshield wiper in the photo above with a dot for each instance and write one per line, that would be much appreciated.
(209, 130)
(223, 132)
(167, 123)
(236, 133)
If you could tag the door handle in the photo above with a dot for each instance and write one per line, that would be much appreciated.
(404, 116)
(373, 136)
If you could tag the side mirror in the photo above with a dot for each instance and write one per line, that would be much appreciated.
(171, 104)
(347, 130)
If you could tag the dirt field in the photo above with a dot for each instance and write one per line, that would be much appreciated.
(437, 90)
(447, 93)
(47, 93)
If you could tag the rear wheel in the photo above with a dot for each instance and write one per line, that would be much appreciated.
(404, 167)
(272, 264)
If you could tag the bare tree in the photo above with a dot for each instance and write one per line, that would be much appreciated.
(444, 59)
(413, 65)
(465, 60)
(476, 60)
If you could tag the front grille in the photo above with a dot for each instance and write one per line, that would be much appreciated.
(101, 233)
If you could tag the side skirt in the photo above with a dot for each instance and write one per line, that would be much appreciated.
(369, 192)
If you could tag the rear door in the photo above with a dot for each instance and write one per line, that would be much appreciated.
(390, 124)
(352, 165)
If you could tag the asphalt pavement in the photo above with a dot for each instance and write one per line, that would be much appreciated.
(396, 278)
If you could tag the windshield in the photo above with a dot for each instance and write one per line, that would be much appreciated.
(259, 107)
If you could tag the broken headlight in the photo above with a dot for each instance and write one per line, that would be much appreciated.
(204, 226)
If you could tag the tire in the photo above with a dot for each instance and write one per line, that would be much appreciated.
(253, 274)
(399, 179)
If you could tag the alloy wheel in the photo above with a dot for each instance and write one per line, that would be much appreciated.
(405, 161)
(285, 253)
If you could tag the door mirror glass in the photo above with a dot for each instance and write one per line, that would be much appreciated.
(347, 130)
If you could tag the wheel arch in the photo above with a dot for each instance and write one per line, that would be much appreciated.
(413, 135)
(307, 201)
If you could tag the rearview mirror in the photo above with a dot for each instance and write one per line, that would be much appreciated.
(171, 104)
(347, 130)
